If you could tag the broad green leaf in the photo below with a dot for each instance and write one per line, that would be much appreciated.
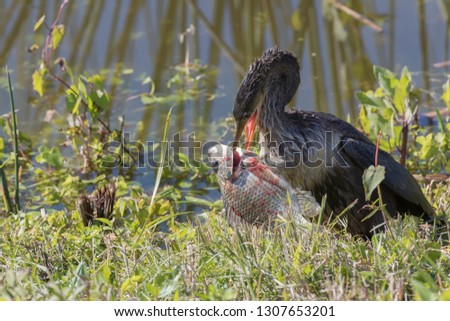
(364, 120)
(38, 81)
(92, 108)
(396, 137)
(57, 35)
(406, 73)
(185, 184)
(433, 250)
(368, 98)
(100, 98)
(373, 119)
(106, 272)
(446, 94)
(130, 283)
(39, 23)
(372, 177)
(104, 221)
(81, 87)
(51, 156)
(73, 100)
(386, 79)
(402, 92)
(97, 80)
(428, 146)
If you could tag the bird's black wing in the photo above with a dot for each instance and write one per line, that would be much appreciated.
(361, 151)
(397, 178)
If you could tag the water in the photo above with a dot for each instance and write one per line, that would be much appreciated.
(139, 39)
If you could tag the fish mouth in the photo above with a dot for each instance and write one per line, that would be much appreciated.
(214, 157)
(224, 161)
(249, 125)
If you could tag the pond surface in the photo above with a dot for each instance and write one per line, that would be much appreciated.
(134, 40)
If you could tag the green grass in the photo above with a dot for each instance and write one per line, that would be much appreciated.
(147, 253)
(52, 255)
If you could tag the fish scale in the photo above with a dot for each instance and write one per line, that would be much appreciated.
(254, 192)
(253, 198)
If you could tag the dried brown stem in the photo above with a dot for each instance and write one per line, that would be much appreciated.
(441, 64)
(403, 150)
(356, 15)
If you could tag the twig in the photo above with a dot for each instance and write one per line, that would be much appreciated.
(441, 64)
(47, 40)
(16, 143)
(185, 36)
(356, 15)
(62, 81)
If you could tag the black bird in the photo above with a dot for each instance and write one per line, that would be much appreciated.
(319, 152)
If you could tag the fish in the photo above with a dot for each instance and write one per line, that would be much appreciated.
(256, 193)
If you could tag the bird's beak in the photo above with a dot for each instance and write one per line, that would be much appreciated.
(240, 125)
(250, 128)
(249, 125)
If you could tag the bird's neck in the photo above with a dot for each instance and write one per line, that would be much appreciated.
(274, 120)
(272, 114)
(279, 91)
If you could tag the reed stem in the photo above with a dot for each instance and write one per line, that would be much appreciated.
(16, 145)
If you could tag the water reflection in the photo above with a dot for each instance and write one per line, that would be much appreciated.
(131, 40)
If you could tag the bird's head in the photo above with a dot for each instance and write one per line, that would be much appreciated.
(268, 86)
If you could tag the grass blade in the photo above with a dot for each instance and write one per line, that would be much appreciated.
(16, 144)
(440, 122)
(164, 145)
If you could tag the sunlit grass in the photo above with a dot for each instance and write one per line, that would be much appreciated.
(152, 252)
(53, 256)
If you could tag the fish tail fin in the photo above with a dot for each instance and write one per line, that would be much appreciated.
(308, 204)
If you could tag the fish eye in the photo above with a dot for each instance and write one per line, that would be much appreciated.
(215, 164)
